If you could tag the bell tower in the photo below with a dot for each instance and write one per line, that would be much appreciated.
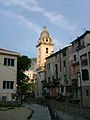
(44, 49)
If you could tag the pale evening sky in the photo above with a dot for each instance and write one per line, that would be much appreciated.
(21, 22)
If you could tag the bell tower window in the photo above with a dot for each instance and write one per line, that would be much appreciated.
(46, 39)
(46, 50)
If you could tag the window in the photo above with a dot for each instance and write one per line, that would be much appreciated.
(8, 84)
(74, 57)
(56, 56)
(4, 84)
(4, 98)
(48, 66)
(48, 79)
(56, 68)
(40, 74)
(60, 65)
(5, 61)
(64, 63)
(83, 59)
(86, 92)
(53, 78)
(85, 74)
(8, 62)
(89, 57)
(46, 50)
(39, 50)
(45, 66)
(85, 42)
(65, 78)
(11, 85)
(12, 62)
(46, 39)
(64, 52)
(43, 39)
(56, 71)
(62, 88)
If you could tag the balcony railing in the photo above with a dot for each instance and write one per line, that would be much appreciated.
(73, 62)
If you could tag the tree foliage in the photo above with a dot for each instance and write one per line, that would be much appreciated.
(25, 87)
(23, 63)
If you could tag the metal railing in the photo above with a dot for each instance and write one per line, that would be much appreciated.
(54, 115)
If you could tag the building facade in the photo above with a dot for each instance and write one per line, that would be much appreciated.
(81, 68)
(67, 72)
(52, 81)
(58, 74)
(44, 49)
(8, 74)
(84, 60)
(31, 72)
(64, 73)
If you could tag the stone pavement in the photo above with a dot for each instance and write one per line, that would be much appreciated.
(40, 112)
(64, 116)
(69, 111)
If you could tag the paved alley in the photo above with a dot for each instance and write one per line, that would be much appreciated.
(40, 112)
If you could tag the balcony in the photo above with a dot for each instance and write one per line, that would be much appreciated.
(74, 58)
(74, 76)
(73, 62)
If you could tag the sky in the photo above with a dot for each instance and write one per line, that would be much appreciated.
(22, 21)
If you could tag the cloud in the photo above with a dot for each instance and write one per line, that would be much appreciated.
(59, 20)
(23, 21)
(32, 5)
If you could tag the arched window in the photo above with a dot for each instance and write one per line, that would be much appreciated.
(85, 74)
(46, 50)
(46, 39)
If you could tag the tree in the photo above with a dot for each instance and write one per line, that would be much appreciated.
(23, 63)
(31, 87)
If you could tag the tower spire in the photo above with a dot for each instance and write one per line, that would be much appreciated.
(44, 28)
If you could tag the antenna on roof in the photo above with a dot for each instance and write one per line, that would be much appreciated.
(59, 47)
(84, 29)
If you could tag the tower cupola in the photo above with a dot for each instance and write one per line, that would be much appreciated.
(44, 33)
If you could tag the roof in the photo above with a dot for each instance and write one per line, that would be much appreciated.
(53, 54)
(44, 33)
(8, 52)
(82, 36)
(59, 51)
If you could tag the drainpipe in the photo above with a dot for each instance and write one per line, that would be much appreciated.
(81, 89)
